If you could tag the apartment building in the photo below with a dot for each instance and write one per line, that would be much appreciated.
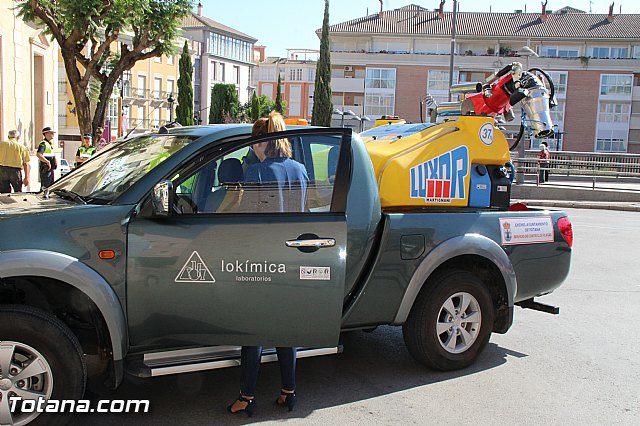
(297, 75)
(226, 57)
(28, 74)
(146, 96)
(386, 62)
(28, 91)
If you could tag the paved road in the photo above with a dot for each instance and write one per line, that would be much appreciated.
(581, 367)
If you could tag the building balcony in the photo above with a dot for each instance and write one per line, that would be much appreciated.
(480, 62)
(348, 85)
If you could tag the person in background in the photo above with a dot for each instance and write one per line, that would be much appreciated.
(276, 170)
(47, 158)
(14, 158)
(543, 159)
(85, 151)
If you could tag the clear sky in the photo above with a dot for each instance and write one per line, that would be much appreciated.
(291, 24)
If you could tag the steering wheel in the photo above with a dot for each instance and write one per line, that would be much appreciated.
(184, 205)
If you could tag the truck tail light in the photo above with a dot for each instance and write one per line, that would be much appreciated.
(564, 225)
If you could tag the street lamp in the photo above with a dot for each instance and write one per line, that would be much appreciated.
(171, 101)
(342, 113)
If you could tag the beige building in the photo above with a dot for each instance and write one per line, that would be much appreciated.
(298, 75)
(28, 82)
(386, 62)
(147, 94)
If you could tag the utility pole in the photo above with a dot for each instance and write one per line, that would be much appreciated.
(453, 44)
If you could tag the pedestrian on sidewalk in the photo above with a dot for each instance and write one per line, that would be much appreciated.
(47, 158)
(14, 158)
(544, 155)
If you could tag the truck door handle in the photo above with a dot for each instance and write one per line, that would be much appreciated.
(314, 242)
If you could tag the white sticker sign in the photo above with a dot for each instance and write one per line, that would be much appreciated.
(195, 271)
(526, 230)
(315, 273)
(486, 133)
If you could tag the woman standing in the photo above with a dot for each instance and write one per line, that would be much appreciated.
(279, 172)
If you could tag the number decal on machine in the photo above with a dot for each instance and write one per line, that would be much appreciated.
(486, 134)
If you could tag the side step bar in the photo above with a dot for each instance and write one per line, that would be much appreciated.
(537, 306)
(207, 358)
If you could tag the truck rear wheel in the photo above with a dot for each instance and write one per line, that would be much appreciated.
(451, 322)
(40, 358)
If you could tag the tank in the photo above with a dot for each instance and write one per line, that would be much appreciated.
(434, 167)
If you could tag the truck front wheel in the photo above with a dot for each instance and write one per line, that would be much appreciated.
(450, 321)
(40, 359)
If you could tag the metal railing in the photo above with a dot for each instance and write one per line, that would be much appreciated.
(594, 166)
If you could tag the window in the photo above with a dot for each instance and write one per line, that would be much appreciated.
(558, 52)
(142, 117)
(237, 182)
(236, 74)
(268, 74)
(229, 47)
(170, 59)
(559, 79)
(377, 105)
(609, 52)
(438, 80)
(156, 118)
(613, 112)
(112, 114)
(380, 78)
(220, 72)
(171, 88)
(142, 86)
(157, 87)
(616, 84)
(267, 90)
(213, 68)
(157, 59)
(611, 144)
(295, 74)
(636, 52)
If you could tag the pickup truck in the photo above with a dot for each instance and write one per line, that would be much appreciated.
(156, 256)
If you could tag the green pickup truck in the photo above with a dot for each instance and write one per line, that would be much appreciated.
(157, 257)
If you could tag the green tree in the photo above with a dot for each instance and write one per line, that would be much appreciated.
(224, 103)
(184, 110)
(278, 106)
(87, 31)
(266, 106)
(322, 102)
(255, 107)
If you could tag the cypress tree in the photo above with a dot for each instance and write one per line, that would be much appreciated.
(224, 103)
(322, 102)
(184, 110)
(278, 106)
(255, 107)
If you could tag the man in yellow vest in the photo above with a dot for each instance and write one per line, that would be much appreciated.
(85, 151)
(47, 158)
(14, 157)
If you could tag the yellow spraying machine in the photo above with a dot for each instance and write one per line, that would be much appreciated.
(465, 160)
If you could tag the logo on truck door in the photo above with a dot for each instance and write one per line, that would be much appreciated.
(441, 179)
(195, 271)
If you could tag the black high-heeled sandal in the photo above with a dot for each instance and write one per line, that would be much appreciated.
(251, 405)
(290, 400)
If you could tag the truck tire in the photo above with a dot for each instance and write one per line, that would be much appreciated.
(450, 322)
(39, 357)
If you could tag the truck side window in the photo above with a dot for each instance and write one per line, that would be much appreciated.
(238, 182)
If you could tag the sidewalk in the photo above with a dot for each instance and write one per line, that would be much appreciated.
(565, 193)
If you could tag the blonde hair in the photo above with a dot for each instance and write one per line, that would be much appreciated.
(271, 124)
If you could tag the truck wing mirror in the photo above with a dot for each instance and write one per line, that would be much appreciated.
(162, 198)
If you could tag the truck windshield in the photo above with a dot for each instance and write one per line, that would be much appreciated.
(110, 173)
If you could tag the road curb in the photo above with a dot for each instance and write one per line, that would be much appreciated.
(600, 205)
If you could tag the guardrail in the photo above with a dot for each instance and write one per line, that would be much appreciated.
(622, 168)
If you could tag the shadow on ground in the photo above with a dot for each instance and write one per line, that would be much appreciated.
(372, 365)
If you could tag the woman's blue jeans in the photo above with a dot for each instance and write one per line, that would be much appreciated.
(250, 358)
